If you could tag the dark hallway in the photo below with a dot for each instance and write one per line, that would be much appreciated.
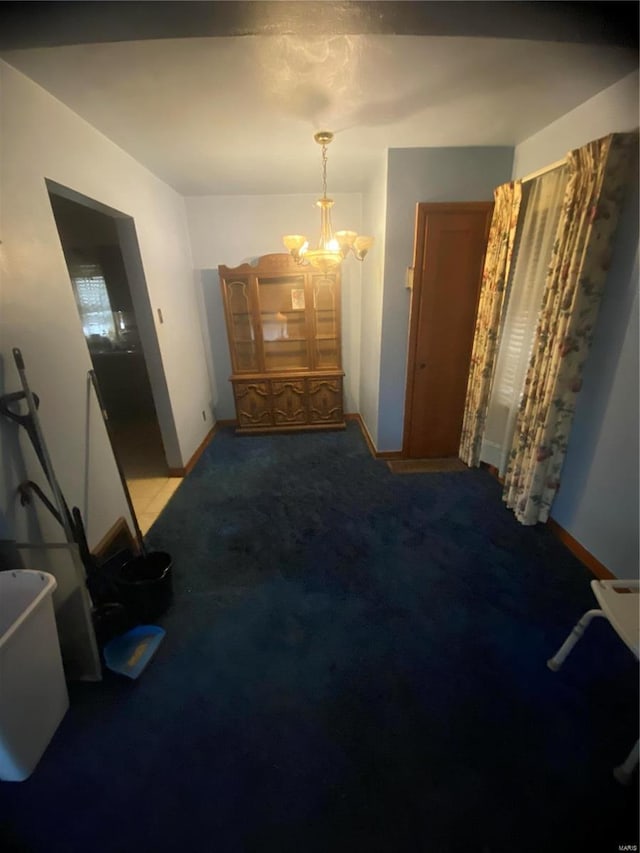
(98, 276)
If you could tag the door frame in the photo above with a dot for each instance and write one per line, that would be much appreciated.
(422, 211)
(150, 345)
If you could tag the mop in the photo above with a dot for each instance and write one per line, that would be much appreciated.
(130, 652)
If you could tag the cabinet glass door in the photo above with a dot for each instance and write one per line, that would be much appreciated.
(283, 315)
(327, 353)
(243, 343)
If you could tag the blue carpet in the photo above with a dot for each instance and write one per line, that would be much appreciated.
(354, 661)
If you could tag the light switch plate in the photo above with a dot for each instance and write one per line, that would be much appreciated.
(408, 281)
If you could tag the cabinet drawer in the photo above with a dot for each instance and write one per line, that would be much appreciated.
(288, 402)
(253, 404)
(325, 400)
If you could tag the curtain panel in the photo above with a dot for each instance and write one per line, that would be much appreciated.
(573, 289)
(492, 292)
(539, 215)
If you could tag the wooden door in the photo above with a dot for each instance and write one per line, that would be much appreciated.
(450, 244)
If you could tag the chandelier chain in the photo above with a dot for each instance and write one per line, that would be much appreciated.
(324, 171)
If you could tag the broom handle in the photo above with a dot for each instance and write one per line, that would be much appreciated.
(123, 480)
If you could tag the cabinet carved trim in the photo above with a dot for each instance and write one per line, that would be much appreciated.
(288, 402)
(252, 403)
(325, 401)
(283, 326)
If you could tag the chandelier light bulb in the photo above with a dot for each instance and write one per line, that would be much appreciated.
(361, 246)
(345, 241)
(297, 244)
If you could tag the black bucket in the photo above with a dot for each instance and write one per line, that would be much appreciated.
(145, 585)
(110, 620)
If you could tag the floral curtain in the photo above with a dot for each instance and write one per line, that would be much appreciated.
(574, 284)
(485, 344)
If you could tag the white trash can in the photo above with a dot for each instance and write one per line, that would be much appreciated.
(33, 691)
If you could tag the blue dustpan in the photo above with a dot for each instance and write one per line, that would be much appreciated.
(129, 653)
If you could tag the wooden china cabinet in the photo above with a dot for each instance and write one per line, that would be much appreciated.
(283, 325)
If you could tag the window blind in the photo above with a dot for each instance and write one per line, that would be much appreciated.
(525, 288)
(92, 298)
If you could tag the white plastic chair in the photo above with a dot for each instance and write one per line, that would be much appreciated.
(618, 600)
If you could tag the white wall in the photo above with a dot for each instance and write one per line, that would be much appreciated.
(598, 498)
(614, 109)
(232, 230)
(420, 175)
(44, 139)
(374, 223)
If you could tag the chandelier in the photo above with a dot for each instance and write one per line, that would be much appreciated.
(332, 248)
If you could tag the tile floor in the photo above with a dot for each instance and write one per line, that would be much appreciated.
(149, 496)
(141, 455)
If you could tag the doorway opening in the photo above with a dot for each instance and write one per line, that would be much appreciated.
(96, 259)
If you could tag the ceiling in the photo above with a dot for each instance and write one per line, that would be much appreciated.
(228, 102)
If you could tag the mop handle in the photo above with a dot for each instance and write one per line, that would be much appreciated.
(123, 479)
(45, 458)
